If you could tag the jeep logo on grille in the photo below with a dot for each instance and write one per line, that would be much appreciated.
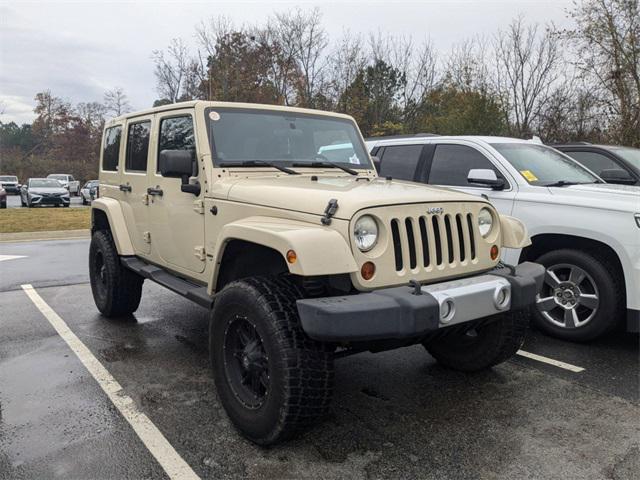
(435, 210)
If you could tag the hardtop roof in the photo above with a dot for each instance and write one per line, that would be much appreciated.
(211, 104)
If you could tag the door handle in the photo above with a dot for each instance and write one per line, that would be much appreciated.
(154, 191)
(125, 188)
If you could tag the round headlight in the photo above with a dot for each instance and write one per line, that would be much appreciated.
(365, 233)
(485, 221)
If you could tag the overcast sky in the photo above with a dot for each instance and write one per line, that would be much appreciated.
(80, 49)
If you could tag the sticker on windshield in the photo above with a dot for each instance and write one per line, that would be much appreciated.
(528, 174)
(215, 116)
(354, 159)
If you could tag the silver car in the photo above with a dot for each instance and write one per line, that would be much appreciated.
(44, 191)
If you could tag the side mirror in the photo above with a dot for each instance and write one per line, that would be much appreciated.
(180, 164)
(376, 163)
(617, 175)
(176, 163)
(485, 177)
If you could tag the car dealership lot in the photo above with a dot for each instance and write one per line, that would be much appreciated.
(395, 414)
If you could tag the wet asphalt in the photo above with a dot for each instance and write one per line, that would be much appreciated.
(394, 415)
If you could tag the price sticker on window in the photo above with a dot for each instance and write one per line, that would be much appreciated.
(528, 175)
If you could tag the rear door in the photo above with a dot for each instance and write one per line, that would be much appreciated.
(400, 161)
(449, 166)
(176, 217)
(134, 199)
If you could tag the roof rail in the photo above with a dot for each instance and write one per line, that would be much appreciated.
(393, 137)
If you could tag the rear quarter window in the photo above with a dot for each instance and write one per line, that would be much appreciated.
(111, 148)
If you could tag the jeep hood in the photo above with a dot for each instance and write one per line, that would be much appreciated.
(302, 194)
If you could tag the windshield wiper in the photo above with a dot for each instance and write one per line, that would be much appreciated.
(258, 163)
(562, 183)
(350, 171)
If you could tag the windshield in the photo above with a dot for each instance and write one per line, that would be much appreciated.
(91, 183)
(284, 138)
(58, 177)
(540, 165)
(44, 183)
(8, 178)
(631, 155)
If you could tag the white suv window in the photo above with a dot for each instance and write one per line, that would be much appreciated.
(451, 165)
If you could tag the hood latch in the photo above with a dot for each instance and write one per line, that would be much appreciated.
(330, 211)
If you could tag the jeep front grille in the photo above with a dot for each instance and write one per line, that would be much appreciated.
(433, 241)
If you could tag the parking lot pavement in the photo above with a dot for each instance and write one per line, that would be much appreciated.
(395, 414)
(13, 201)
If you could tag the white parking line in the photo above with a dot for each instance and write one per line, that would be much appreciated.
(550, 361)
(151, 437)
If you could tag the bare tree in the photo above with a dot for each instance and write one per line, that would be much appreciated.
(347, 60)
(416, 65)
(606, 43)
(301, 37)
(209, 35)
(116, 102)
(527, 67)
(172, 70)
(466, 67)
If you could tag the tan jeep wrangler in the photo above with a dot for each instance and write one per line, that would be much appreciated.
(275, 219)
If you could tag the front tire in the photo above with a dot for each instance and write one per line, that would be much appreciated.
(582, 296)
(272, 380)
(116, 290)
(483, 347)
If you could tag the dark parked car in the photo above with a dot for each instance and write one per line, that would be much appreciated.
(612, 163)
(3, 198)
(10, 183)
(44, 191)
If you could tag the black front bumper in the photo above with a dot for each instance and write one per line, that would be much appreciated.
(407, 312)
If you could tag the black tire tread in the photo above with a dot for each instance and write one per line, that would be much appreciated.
(126, 292)
(309, 377)
(507, 334)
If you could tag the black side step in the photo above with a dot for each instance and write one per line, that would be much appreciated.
(193, 292)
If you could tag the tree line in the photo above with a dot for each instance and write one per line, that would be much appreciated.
(577, 84)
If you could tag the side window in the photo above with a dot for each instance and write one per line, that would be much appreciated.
(71, 179)
(400, 161)
(111, 148)
(451, 165)
(138, 146)
(176, 133)
(596, 162)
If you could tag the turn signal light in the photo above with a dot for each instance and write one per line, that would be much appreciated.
(494, 252)
(292, 256)
(368, 270)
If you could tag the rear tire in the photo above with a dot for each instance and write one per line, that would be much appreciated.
(116, 290)
(272, 380)
(482, 347)
(584, 276)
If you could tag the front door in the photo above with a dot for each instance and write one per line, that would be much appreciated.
(133, 182)
(176, 217)
(450, 166)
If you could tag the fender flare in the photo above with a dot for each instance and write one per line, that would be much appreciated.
(319, 250)
(117, 224)
(514, 232)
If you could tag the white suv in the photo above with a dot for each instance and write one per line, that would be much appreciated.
(585, 232)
